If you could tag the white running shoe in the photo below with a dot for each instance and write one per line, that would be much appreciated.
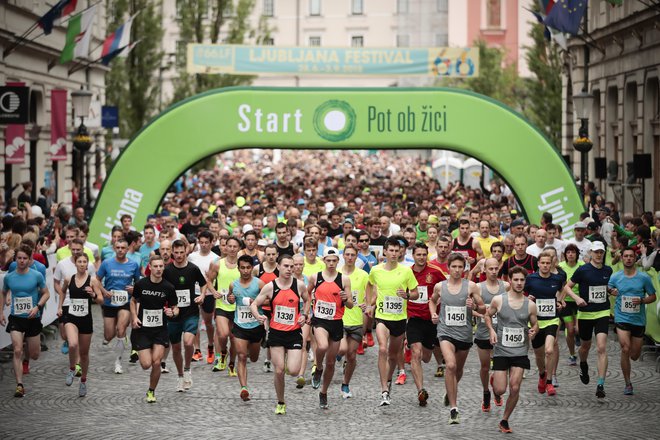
(187, 380)
(179, 385)
(118, 369)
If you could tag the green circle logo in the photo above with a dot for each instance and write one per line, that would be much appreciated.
(334, 120)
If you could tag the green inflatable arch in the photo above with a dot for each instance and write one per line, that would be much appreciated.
(379, 118)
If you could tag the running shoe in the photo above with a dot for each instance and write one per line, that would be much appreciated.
(551, 390)
(179, 385)
(343, 367)
(163, 368)
(26, 366)
(401, 378)
(118, 369)
(498, 400)
(542, 383)
(134, 357)
(151, 396)
(78, 370)
(407, 355)
(578, 341)
(346, 392)
(245, 394)
(555, 381)
(300, 382)
(600, 391)
(232, 371)
(422, 397)
(385, 399)
(316, 378)
(20, 391)
(197, 355)
(187, 380)
(267, 367)
(360, 349)
(370, 339)
(210, 356)
(323, 401)
(69, 377)
(584, 373)
(485, 405)
(105, 342)
(216, 364)
(82, 389)
(440, 372)
(281, 409)
(454, 417)
(65, 347)
(572, 361)
(445, 400)
(628, 390)
(223, 361)
(504, 427)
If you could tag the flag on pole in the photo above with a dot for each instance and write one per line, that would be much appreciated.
(78, 35)
(15, 144)
(58, 124)
(61, 9)
(566, 15)
(117, 41)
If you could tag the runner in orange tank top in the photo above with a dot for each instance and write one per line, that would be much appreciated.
(284, 336)
(332, 292)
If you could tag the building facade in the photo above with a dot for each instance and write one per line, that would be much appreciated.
(36, 64)
(622, 71)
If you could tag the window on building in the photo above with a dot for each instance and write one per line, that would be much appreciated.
(315, 41)
(402, 40)
(494, 14)
(314, 7)
(442, 6)
(357, 41)
(269, 8)
(357, 7)
(402, 6)
(268, 41)
(441, 40)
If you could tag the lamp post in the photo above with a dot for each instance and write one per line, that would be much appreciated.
(583, 103)
(82, 142)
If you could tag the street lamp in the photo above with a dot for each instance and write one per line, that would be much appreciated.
(82, 142)
(583, 103)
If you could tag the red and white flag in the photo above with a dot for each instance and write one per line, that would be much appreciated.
(58, 124)
(15, 144)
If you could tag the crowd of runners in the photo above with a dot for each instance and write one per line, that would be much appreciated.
(306, 263)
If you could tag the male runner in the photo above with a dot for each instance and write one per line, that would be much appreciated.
(284, 336)
(465, 245)
(515, 315)
(394, 285)
(633, 290)
(568, 314)
(153, 299)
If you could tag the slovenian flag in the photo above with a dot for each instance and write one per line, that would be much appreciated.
(117, 41)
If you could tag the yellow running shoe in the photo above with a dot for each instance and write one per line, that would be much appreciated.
(281, 409)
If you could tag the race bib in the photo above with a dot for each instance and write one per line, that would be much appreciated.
(423, 295)
(284, 315)
(79, 307)
(546, 307)
(354, 294)
(513, 337)
(183, 297)
(244, 315)
(627, 305)
(325, 310)
(455, 315)
(225, 294)
(393, 305)
(22, 305)
(119, 298)
(152, 318)
(492, 318)
(597, 294)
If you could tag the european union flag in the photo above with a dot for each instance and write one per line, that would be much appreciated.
(566, 15)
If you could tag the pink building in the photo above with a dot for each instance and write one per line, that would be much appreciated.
(501, 23)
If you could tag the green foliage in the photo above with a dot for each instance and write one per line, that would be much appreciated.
(130, 83)
(226, 17)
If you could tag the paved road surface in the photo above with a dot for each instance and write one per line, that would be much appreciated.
(115, 406)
